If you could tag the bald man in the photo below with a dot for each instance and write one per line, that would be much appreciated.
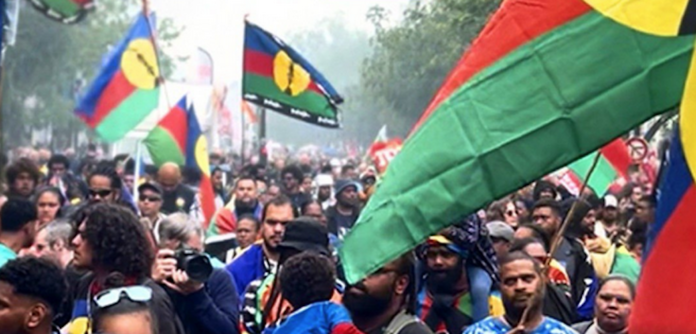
(176, 196)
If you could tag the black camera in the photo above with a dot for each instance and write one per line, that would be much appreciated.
(196, 265)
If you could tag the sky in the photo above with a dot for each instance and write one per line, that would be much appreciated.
(217, 25)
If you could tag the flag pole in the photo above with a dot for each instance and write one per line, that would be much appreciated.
(160, 79)
(263, 152)
(556, 242)
(136, 172)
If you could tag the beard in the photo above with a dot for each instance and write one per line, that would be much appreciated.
(244, 204)
(366, 304)
(444, 280)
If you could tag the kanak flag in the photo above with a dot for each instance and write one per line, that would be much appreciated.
(383, 152)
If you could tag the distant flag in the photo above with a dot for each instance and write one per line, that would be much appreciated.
(127, 88)
(381, 135)
(248, 113)
(65, 11)
(613, 164)
(178, 138)
(202, 68)
(278, 78)
(670, 256)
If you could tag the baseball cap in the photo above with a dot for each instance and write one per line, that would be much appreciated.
(501, 230)
(150, 186)
(305, 234)
(342, 184)
(610, 201)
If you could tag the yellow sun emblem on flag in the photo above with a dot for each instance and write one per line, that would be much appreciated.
(667, 18)
(139, 64)
(289, 76)
(201, 153)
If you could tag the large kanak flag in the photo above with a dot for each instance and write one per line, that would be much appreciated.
(545, 83)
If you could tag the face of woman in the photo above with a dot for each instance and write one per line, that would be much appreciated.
(135, 323)
(47, 206)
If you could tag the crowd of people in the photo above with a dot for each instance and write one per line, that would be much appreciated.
(88, 245)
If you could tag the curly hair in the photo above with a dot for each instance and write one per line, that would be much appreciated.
(117, 239)
(36, 278)
(23, 165)
(307, 278)
(107, 170)
(294, 170)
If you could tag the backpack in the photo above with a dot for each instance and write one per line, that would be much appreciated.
(400, 321)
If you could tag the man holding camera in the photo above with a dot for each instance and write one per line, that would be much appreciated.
(205, 299)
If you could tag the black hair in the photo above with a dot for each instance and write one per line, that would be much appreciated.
(36, 278)
(549, 203)
(107, 170)
(248, 216)
(518, 245)
(620, 278)
(118, 240)
(59, 159)
(346, 167)
(294, 170)
(406, 265)
(129, 167)
(280, 200)
(88, 164)
(539, 234)
(53, 190)
(124, 306)
(245, 177)
(16, 213)
(303, 208)
(121, 157)
(637, 237)
(307, 278)
(650, 199)
(519, 256)
(22, 165)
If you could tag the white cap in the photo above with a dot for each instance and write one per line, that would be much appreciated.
(610, 201)
(324, 180)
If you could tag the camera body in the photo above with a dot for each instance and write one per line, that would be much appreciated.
(196, 265)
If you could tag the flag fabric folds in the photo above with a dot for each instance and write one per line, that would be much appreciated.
(127, 87)
(670, 258)
(545, 83)
(613, 164)
(65, 11)
(278, 78)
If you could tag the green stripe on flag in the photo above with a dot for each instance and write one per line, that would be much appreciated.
(66, 7)
(128, 114)
(163, 147)
(547, 103)
(602, 177)
(308, 100)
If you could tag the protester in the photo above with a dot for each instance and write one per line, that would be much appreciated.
(221, 194)
(612, 307)
(262, 259)
(176, 196)
(291, 178)
(17, 228)
(645, 209)
(246, 234)
(455, 293)
(522, 287)
(104, 184)
(342, 216)
(324, 195)
(209, 306)
(555, 272)
(48, 201)
(544, 190)
(571, 254)
(306, 186)
(22, 178)
(31, 293)
(124, 309)
(609, 218)
(245, 202)
(501, 235)
(150, 205)
(313, 209)
(53, 241)
(109, 240)
(385, 301)
(503, 210)
(271, 192)
(558, 303)
(264, 304)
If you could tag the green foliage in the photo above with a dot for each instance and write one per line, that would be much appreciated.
(411, 59)
(41, 69)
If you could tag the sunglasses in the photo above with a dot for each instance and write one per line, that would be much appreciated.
(100, 192)
(137, 293)
(150, 198)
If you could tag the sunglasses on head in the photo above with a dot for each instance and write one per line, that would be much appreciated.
(150, 198)
(100, 192)
(137, 293)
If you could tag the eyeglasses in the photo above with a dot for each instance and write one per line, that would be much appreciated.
(100, 192)
(150, 198)
(510, 213)
(140, 294)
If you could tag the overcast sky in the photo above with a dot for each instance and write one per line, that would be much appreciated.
(217, 25)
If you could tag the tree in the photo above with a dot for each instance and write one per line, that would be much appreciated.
(411, 59)
(51, 61)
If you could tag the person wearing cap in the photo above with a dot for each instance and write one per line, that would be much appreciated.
(501, 235)
(324, 190)
(263, 302)
(608, 218)
(342, 216)
(150, 204)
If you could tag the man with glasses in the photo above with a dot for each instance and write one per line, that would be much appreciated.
(150, 204)
(261, 259)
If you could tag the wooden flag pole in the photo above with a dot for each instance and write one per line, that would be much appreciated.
(153, 39)
(556, 242)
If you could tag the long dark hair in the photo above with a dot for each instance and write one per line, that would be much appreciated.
(124, 306)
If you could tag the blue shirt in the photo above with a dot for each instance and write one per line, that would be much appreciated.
(495, 325)
(6, 255)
